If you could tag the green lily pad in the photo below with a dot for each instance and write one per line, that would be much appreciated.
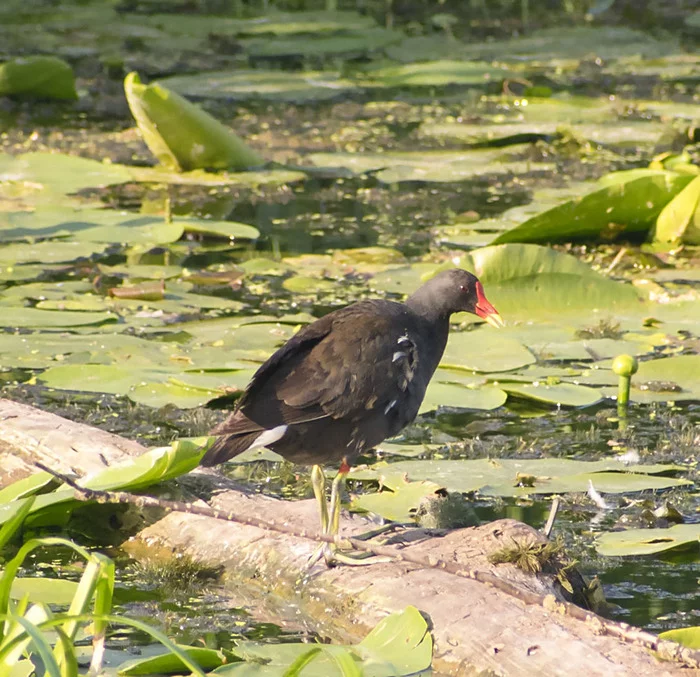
(679, 221)
(435, 74)
(35, 317)
(398, 504)
(181, 135)
(49, 252)
(689, 637)
(160, 394)
(607, 213)
(46, 77)
(458, 396)
(561, 394)
(485, 350)
(648, 541)
(59, 173)
(96, 378)
(499, 477)
(230, 229)
(367, 40)
(532, 282)
(244, 84)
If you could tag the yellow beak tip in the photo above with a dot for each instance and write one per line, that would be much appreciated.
(495, 320)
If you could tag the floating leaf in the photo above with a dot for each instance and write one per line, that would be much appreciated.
(230, 229)
(499, 477)
(181, 135)
(679, 221)
(689, 637)
(169, 663)
(485, 350)
(607, 213)
(457, 396)
(399, 503)
(61, 173)
(261, 84)
(648, 541)
(37, 76)
(561, 394)
(436, 74)
(34, 317)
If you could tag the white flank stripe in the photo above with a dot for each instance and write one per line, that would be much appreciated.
(268, 437)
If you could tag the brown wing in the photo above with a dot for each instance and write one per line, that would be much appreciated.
(322, 373)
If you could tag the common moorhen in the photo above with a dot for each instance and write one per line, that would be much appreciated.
(347, 381)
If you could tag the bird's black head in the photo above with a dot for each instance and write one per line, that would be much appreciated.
(452, 291)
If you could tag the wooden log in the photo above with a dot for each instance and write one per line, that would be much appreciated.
(477, 629)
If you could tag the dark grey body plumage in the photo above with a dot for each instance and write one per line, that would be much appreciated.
(351, 379)
(342, 385)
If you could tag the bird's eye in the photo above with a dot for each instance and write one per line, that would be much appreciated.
(462, 287)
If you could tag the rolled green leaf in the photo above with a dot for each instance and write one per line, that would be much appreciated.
(38, 76)
(181, 135)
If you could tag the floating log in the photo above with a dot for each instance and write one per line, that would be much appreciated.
(477, 628)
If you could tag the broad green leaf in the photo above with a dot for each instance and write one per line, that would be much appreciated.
(45, 77)
(159, 394)
(648, 541)
(669, 378)
(607, 213)
(401, 639)
(47, 590)
(350, 42)
(455, 395)
(499, 477)
(435, 74)
(229, 229)
(27, 486)
(34, 317)
(398, 504)
(13, 515)
(243, 84)
(531, 282)
(60, 173)
(182, 135)
(168, 663)
(679, 221)
(49, 252)
(561, 394)
(689, 637)
(98, 378)
(485, 350)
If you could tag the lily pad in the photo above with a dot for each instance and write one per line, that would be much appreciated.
(244, 84)
(679, 221)
(46, 77)
(648, 541)
(436, 74)
(59, 173)
(607, 213)
(561, 394)
(499, 477)
(181, 135)
(398, 503)
(460, 397)
(486, 351)
(689, 637)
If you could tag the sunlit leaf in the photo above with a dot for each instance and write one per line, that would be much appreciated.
(679, 221)
(37, 76)
(648, 541)
(182, 135)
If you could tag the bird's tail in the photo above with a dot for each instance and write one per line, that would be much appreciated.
(227, 446)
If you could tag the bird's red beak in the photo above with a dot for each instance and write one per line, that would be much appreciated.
(485, 310)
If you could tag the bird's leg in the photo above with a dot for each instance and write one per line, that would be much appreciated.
(318, 482)
(336, 491)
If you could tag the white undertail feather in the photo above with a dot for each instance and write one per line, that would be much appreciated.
(268, 437)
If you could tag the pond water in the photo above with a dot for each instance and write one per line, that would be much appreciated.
(408, 164)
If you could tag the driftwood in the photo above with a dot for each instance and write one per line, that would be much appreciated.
(477, 628)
